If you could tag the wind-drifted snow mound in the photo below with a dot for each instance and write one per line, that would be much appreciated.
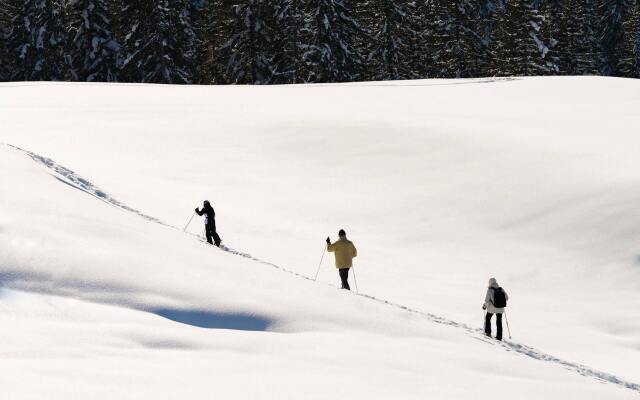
(441, 185)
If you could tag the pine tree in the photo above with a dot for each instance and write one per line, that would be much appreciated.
(95, 49)
(37, 42)
(556, 19)
(8, 10)
(5, 18)
(213, 23)
(455, 40)
(581, 47)
(518, 45)
(629, 62)
(391, 40)
(250, 51)
(425, 46)
(5, 67)
(484, 27)
(331, 55)
(159, 46)
(612, 12)
(290, 27)
(118, 20)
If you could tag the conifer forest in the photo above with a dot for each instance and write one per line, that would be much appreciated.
(314, 41)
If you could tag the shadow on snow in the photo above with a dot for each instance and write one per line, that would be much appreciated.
(215, 320)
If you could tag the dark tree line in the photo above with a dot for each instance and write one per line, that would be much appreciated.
(298, 41)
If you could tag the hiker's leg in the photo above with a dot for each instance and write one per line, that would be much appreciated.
(487, 324)
(216, 238)
(344, 276)
(207, 229)
(499, 326)
(214, 233)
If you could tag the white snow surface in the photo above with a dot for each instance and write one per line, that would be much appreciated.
(440, 184)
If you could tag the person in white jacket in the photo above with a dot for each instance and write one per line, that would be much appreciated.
(490, 305)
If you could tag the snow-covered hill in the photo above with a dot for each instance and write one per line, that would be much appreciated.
(441, 185)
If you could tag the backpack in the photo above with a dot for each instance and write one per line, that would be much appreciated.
(499, 298)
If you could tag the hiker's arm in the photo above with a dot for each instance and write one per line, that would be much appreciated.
(487, 298)
(355, 252)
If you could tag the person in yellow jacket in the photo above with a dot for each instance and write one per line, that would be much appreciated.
(344, 251)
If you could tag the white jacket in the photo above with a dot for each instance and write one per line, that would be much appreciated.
(488, 299)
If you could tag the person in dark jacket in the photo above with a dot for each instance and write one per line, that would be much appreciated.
(209, 223)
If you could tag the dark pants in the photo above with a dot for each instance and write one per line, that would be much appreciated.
(487, 325)
(344, 276)
(212, 235)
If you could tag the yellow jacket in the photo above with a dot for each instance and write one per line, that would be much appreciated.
(345, 252)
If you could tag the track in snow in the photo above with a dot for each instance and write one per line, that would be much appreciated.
(72, 179)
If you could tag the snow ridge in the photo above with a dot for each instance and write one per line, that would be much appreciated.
(69, 177)
(74, 180)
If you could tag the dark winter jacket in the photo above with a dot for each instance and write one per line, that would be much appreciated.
(210, 215)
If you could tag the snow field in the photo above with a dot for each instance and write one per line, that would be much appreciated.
(440, 186)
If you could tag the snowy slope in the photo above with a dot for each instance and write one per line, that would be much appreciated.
(441, 184)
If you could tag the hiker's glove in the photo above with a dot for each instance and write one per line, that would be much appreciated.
(328, 240)
(196, 210)
(484, 306)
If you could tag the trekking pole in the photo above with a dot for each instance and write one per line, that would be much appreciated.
(319, 265)
(484, 320)
(507, 320)
(354, 278)
(189, 223)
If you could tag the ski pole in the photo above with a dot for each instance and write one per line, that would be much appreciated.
(188, 223)
(507, 320)
(354, 278)
(484, 320)
(319, 265)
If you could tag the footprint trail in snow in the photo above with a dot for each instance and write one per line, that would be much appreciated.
(70, 178)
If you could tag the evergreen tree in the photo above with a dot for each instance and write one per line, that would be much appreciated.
(159, 46)
(8, 9)
(425, 46)
(37, 42)
(5, 67)
(455, 40)
(484, 29)
(250, 51)
(213, 23)
(581, 51)
(555, 22)
(95, 50)
(629, 63)
(331, 55)
(391, 41)
(290, 28)
(612, 12)
(518, 46)
(6, 14)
